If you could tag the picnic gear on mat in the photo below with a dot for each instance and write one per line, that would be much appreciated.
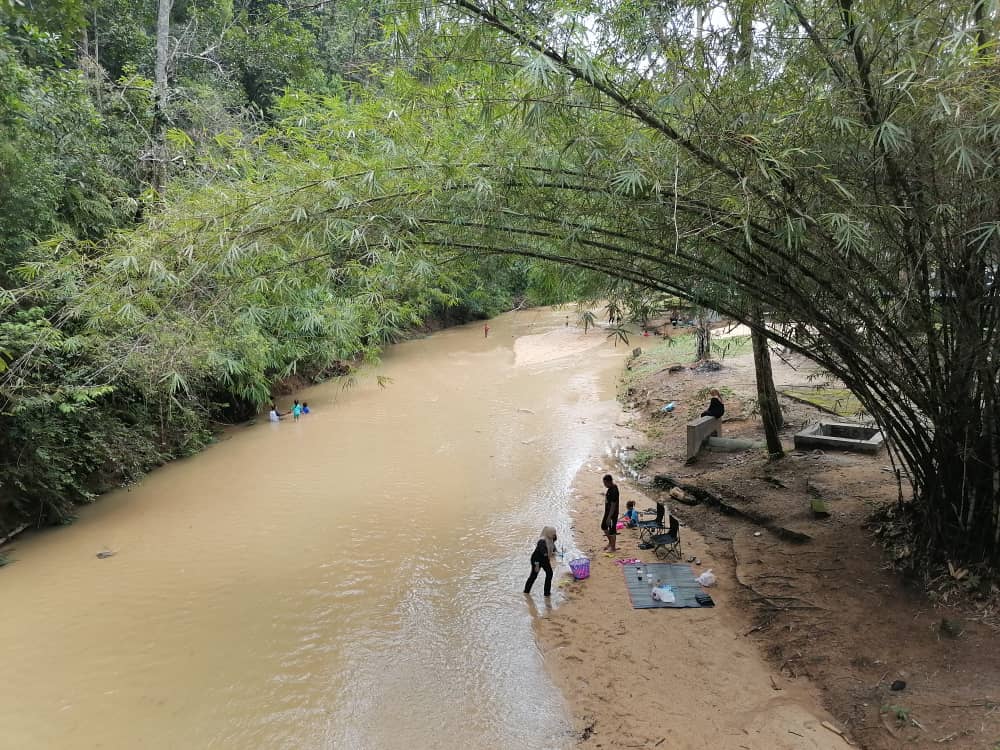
(679, 577)
(704, 600)
(580, 568)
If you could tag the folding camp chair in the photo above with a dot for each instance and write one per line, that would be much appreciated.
(649, 529)
(669, 545)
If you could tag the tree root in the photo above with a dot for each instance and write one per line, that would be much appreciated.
(776, 602)
(710, 499)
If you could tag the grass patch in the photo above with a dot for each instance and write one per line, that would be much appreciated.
(681, 350)
(732, 346)
(642, 458)
(900, 713)
(654, 431)
(666, 352)
(838, 401)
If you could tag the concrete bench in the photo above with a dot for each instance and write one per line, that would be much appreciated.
(699, 430)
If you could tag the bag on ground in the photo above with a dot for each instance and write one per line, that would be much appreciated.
(664, 594)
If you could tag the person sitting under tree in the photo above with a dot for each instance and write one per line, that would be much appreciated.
(716, 408)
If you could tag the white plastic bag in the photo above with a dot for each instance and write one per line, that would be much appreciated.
(707, 578)
(664, 594)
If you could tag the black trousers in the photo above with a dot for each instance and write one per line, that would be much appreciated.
(543, 564)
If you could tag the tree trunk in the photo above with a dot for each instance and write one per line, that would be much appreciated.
(83, 46)
(956, 501)
(982, 33)
(160, 92)
(767, 395)
(704, 334)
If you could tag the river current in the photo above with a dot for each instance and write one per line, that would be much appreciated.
(351, 580)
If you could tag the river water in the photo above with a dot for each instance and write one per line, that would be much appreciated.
(347, 581)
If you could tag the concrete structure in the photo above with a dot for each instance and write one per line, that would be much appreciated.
(840, 436)
(698, 431)
(733, 445)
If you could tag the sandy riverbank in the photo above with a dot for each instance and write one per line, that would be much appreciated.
(681, 679)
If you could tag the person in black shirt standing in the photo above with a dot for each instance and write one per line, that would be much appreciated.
(610, 520)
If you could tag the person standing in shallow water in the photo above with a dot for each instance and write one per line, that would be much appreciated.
(541, 559)
(610, 519)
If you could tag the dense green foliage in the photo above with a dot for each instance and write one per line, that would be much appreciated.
(825, 172)
(125, 336)
(832, 167)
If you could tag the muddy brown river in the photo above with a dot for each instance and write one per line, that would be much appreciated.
(347, 581)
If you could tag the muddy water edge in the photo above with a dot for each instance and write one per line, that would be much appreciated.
(349, 580)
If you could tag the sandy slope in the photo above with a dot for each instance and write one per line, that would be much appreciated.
(673, 679)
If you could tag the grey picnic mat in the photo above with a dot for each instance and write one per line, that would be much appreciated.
(677, 576)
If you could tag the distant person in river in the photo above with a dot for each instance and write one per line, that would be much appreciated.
(541, 559)
(486, 330)
(305, 407)
(715, 407)
(296, 410)
(610, 519)
(274, 415)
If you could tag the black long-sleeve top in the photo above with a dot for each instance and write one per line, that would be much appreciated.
(715, 409)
